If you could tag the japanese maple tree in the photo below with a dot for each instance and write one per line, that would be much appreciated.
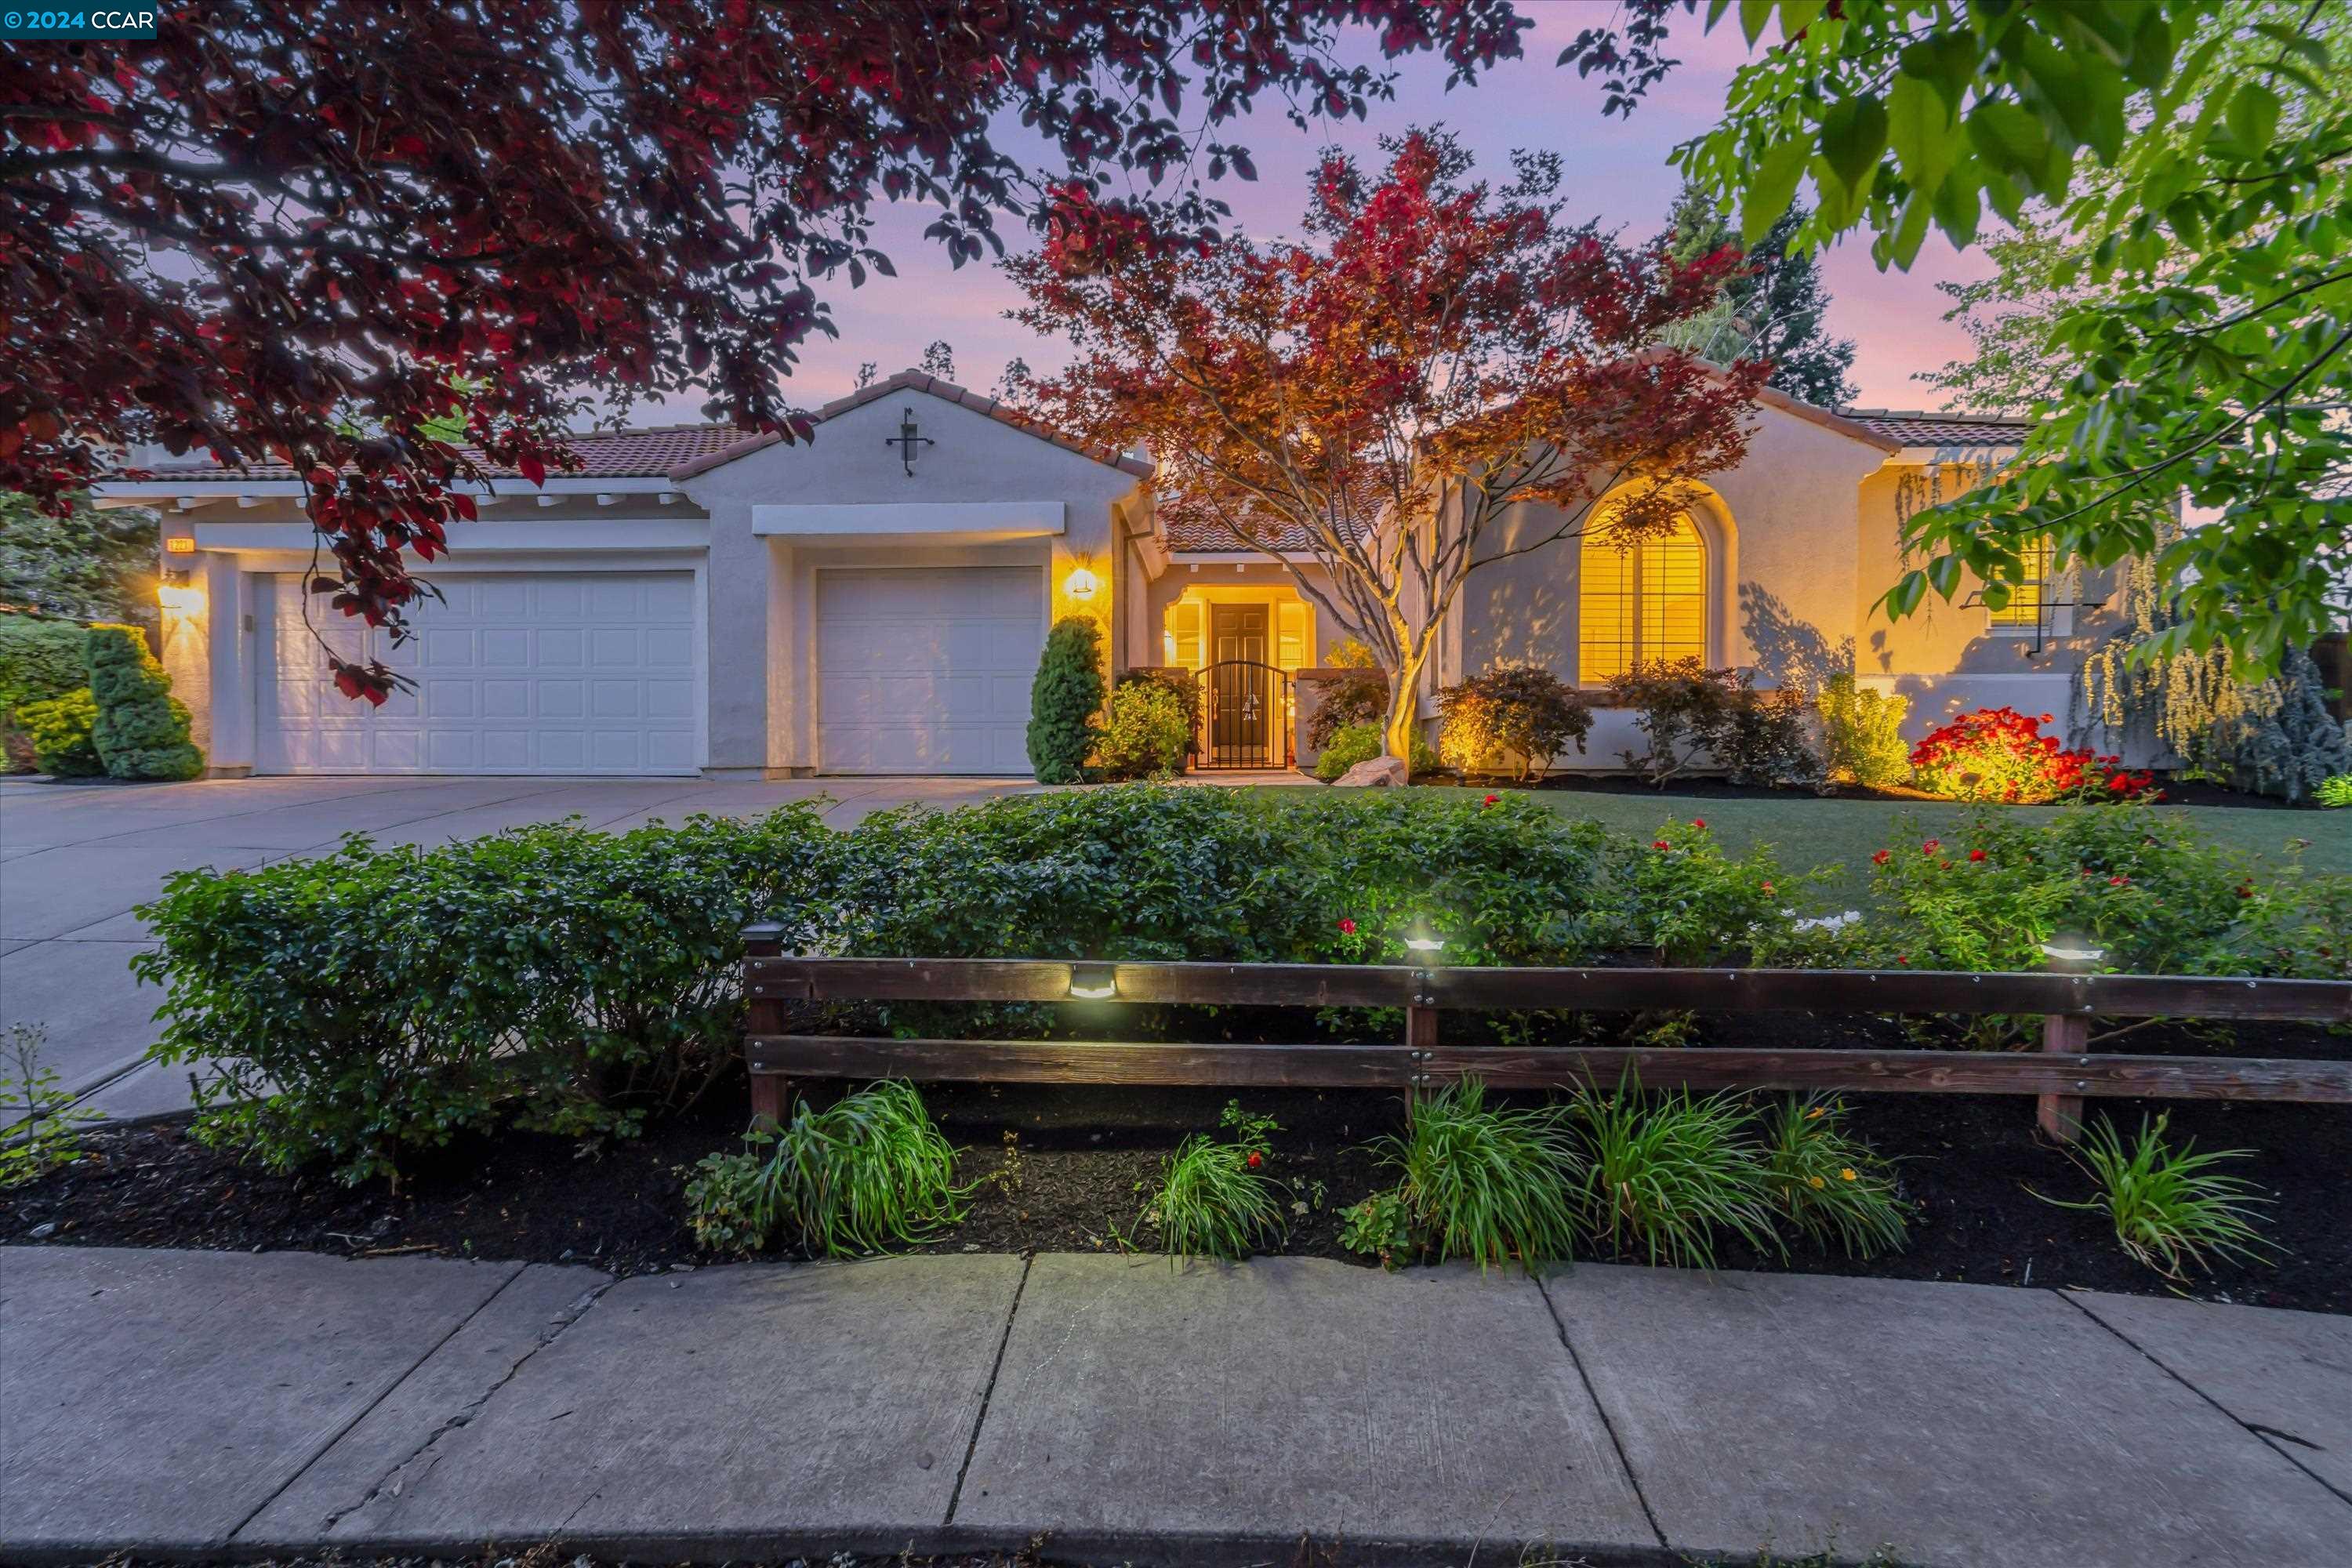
(305, 231)
(1435, 353)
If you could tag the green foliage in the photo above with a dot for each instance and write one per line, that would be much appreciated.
(1776, 310)
(866, 1173)
(357, 1006)
(1517, 716)
(38, 1132)
(59, 731)
(88, 565)
(1215, 1199)
(1490, 1185)
(1186, 688)
(1361, 743)
(2334, 793)
(1694, 716)
(1664, 1176)
(1680, 898)
(141, 730)
(2173, 1210)
(41, 659)
(1829, 1184)
(1361, 697)
(2191, 152)
(1862, 734)
(1148, 734)
(1063, 700)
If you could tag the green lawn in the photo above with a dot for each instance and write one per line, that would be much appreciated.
(1810, 832)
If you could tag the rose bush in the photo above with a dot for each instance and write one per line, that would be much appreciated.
(1998, 755)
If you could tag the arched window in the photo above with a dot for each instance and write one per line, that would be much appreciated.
(1641, 604)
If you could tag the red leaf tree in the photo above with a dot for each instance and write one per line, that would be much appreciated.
(1435, 353)
(300, 231)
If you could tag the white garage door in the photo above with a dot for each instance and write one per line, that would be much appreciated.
(586, 672)
(927, 672)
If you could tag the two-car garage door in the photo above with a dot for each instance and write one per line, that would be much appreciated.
(583, 672)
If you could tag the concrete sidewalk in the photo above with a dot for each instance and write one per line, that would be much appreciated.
(186, 1403)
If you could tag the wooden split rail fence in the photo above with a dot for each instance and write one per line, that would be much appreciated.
(2059, 1075)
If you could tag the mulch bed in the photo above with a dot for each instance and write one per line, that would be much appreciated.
(2175, 792)
(1071, 1169)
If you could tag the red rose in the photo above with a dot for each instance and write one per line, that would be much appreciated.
(2118, 881)
(1930, 847)
(1660, 844)
(1255, 1160)
(1902, 958)
(1347, 927)
(1768, 886)
(2043, 719)
(1880, 858)
(1699, 822)
(1492, 799)
(1976, 855)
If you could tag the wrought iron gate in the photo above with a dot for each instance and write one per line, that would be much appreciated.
(1245, 714)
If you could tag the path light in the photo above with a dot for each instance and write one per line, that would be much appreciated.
(1094, 982)
(2072, 950)
(1420, 941)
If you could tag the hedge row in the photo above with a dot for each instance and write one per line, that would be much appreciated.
(375, 1001)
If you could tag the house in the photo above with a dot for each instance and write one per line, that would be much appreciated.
(696, 601)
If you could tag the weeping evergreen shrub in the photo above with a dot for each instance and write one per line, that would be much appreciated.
(142, 729)
(1063, 700)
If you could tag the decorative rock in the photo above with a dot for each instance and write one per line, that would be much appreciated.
(1379, 772)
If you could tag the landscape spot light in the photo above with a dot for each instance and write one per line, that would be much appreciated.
(1094, 982)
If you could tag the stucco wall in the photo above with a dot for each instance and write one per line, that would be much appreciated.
(762, 711)
(1780, 531)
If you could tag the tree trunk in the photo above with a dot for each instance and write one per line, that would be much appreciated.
(1403, 720)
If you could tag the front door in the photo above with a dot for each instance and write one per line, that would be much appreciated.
(1241, 687)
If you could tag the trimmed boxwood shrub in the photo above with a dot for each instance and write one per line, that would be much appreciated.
(1063, 700)
(370, 1002)
(60, 733)
(142, 730)
(41, 659)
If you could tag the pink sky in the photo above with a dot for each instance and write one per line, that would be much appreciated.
(1617, 172)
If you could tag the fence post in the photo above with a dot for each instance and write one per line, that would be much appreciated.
(1420, 1030)
(2063, 1033)
(765, 939)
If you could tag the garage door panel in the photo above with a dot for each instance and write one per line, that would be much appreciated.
(926, 670)
(504, 684)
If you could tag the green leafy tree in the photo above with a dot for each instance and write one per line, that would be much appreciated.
(1777, 311)
(88, 565)
(2198, 150)
(1063, 700)
(142, 729)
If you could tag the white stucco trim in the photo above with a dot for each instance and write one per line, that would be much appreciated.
(470, 539)
(931, 523)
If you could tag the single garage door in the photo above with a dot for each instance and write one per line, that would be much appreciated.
(926, 671)
(585, 672)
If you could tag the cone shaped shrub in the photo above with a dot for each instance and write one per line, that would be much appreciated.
(141, 731)
(1063, 700)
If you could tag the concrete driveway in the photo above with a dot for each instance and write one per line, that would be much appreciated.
(76, 859)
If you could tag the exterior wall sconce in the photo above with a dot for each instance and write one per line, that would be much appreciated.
(907, 440)
(1081, 584)
(177, 596)
(1094, 982)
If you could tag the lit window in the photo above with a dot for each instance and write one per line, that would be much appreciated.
(1642, 603)
(2026, 597)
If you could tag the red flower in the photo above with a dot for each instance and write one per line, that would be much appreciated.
(2118, 881)
(1255, 1160)
(1880, 858)
(1492, 799)
(1930, 847)
(1902, 958)
(1699, 822)
(2247, 891)
(1947, 866)
(2043, 719)
(1976, 855)
(1347, 927)
(1768, 886)
(1660, 844)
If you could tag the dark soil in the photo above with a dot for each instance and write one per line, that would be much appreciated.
(1064, 1169)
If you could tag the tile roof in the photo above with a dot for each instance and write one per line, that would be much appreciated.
(1913, 428)
(652, 454)
(681, 451)
(1200, 538)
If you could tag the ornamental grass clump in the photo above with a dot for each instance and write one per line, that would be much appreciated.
(2172, 1210)
(1829, 1184)
(1662, 1177)
(1216, 1198)
(866, 1174)
(1491, 1185)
